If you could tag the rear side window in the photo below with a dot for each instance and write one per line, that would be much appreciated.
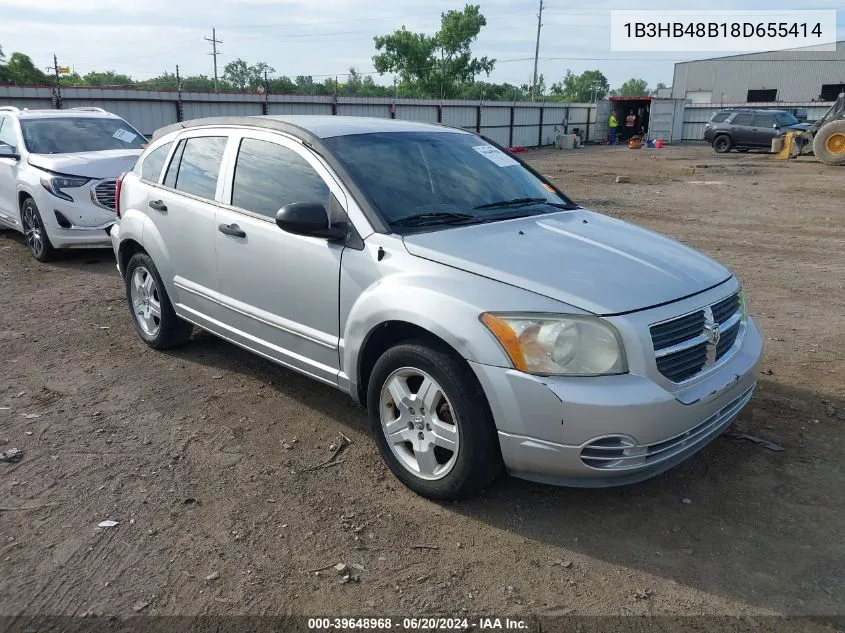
(199, 165)
(269, 176)
(764, 120)
(7, 132)
(719, 117)
(154, 161)
(744, 118)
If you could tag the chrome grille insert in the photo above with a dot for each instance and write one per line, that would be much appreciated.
(102, 194)
(687, 345)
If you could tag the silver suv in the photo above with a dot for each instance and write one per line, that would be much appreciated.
(483, 318)
(57, 175)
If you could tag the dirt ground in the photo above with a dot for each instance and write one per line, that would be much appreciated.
(202, 454)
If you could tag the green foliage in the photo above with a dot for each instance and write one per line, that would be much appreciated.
(439, 65)
(633, 88)
(241, 76)
(20, 70)
(591, 85)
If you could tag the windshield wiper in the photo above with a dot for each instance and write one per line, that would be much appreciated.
(434, 217)
(513, 202)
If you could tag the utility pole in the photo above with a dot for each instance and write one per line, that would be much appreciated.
(58, 83)
(214, 42)
(537, 51)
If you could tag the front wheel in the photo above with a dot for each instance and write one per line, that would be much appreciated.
(829, 143)
(35, 233)
(150, 307)
(722, 144)
(432, 422)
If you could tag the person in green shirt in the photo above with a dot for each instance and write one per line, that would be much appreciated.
(612, 123)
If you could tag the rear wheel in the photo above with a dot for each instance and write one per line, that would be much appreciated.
(432, 422)
(722, 144)
(151, 310)
(829, 143)
(35, 233)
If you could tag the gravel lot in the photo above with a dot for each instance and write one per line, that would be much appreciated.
(201, 455)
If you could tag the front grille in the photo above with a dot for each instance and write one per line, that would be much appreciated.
(681, 344)
(104, 193)
(619, 453)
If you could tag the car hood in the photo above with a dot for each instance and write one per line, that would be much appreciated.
(800, 126)
(106, 164)
(584, 259)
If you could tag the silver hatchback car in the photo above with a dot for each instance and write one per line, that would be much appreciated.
(483, 318)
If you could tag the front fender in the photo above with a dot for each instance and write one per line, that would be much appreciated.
(444, 301)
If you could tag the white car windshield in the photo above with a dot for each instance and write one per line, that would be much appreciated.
(64, 135)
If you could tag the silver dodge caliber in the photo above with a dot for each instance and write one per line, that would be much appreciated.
(484, 319)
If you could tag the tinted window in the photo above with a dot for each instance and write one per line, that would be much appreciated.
(269, 176)
(153, 162)
(61, 135)
(764, 120)
(410, 173)
(200, 166)
(7, 132)
(743, 119)
(785, 119)
(719, 117)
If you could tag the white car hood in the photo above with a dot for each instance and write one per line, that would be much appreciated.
(105, 164)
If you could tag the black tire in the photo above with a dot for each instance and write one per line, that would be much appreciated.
(742, 149)
(34, 232)
(722, 144)
(171, 331)
(478, 459)
(829, 143)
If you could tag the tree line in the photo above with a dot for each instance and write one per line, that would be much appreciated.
(438, 66)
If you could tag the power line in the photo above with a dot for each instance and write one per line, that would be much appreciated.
(214, 42)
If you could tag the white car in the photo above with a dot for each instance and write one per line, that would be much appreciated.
(58, 170)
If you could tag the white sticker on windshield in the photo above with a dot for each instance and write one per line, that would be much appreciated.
(496, 155)
(124, 135)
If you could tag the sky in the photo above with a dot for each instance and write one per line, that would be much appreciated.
(324, 38)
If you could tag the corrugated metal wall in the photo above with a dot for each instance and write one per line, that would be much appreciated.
(797, 75)
(506, 123)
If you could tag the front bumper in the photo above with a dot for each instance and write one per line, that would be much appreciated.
(612, 430)
(75, 224)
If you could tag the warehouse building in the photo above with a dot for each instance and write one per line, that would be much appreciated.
(798, 75)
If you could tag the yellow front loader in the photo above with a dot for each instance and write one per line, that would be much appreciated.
(825, 138)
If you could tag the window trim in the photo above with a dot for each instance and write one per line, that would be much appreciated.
(164, 166)
(176, 139)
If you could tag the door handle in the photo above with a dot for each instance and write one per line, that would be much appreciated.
(158, 205)
(231, 229)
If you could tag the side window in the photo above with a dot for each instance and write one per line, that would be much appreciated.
(269, 176)
(719, 117)
(744, 119)
(764, 120)
(200, 165)
(154, 161)
(7, 132)
(173, 168)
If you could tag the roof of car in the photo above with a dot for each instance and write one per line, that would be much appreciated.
(319, 126)
(753, 110)
(97, 113)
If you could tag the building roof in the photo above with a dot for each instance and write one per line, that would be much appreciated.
(807, 53)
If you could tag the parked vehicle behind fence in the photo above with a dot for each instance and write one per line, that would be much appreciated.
(483, 318)
(57, 175)
(744, 129)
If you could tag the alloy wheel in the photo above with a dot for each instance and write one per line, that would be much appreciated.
(33, 231)
(146, 301)
(419, 423)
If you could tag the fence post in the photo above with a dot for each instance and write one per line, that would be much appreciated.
(510, 130)
(478, 119)
(540, 134)
(440, 113)
(587, 132)
(565, 121)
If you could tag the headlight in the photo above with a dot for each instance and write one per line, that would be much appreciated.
(570, 345)
(56, 184)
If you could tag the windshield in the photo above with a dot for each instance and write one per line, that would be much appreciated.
(441, 177)
(785, 119)
(64, 135)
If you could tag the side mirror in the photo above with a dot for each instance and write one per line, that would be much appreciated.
(7, 151)
(309, 218)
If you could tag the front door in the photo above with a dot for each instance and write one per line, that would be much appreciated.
(741, 126)
(764, 130)
(278, 291)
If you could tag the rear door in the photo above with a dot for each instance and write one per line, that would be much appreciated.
(741, 126)
(279, 292)
(764, 129)
(182, 210)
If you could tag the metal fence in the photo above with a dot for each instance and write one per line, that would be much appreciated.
(697, 114)
(508, 123)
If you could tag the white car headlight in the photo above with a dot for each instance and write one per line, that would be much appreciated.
(570, 345)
